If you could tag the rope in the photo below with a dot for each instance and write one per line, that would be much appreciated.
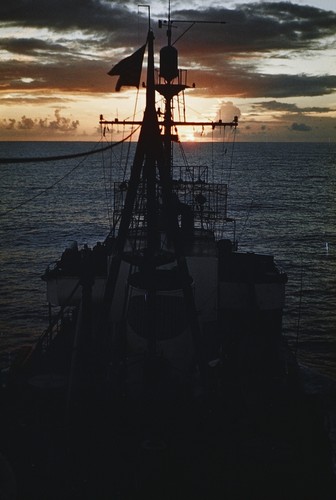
(231, 159)
(129, 143)
(123, 164)
(246, 219)
(29, 200)
(63, 157)
(107, 190)
(299, 314)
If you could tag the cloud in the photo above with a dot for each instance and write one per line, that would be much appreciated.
(300, 127)
(242, 82)
(65, 15)
(60, 124)
(230, 55)
(289, 107)
(62, 49)
(86, 37)
(250, 27)
(63, 74)
(227, 111)
(260, 27)
(8, 124)
(71, 75)
(33, 98)
(30, 46)
(25, 123)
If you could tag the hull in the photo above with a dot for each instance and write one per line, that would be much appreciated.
(244, 296)
(60, 290)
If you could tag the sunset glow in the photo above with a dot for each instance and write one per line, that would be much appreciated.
(270, 64)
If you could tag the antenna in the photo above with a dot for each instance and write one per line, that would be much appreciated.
(170, 22)
(149, 16)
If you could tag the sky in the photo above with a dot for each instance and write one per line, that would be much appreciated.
(272, 64)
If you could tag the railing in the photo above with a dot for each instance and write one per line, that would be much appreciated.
(208, 201)
(54, 325)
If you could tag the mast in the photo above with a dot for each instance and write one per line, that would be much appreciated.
(152, 172)
(168, 71)
(148, 153)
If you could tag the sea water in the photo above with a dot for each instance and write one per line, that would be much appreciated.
(282, 196)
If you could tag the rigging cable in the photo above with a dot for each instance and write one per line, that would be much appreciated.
(212, 157)
(249, 188)
(129, 142)
(246, 218)
(232, 151)
(40, 159)
(185, 160)
(107, 182)
(223, 153)
(225, 142)
(113, 219)
(50, 158)
(299, 315)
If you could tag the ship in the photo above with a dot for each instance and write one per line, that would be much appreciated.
(163, 372)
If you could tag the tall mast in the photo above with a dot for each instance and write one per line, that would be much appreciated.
(169, 72)
(153, 152)
(153, 161)
(148, 153)
(169, 25)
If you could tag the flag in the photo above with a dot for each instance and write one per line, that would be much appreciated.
(129, 70)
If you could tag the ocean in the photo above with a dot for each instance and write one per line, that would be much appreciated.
(282, 196)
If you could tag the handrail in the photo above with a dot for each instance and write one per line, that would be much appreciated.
(46, 336)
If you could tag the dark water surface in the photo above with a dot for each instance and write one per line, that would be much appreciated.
(281, 194)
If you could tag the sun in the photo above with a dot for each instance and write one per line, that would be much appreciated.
(188, 136)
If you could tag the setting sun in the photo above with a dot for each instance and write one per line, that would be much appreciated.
(187, 135)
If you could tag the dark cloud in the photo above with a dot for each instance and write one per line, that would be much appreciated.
(25, 123)
(246, 83)
(260, 27)
(90, 76)
(60, 124)
(24, 99)
(276, 106)
(8, 124)
(300, 127)
(31, 46)
(289, 107)
(272, 29)
(89, 31)
(64, 15)
(65, 75)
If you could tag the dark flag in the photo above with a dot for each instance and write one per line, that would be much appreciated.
(129, 70)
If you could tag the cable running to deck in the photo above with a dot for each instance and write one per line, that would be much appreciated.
(39, 159)
(29, 200)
